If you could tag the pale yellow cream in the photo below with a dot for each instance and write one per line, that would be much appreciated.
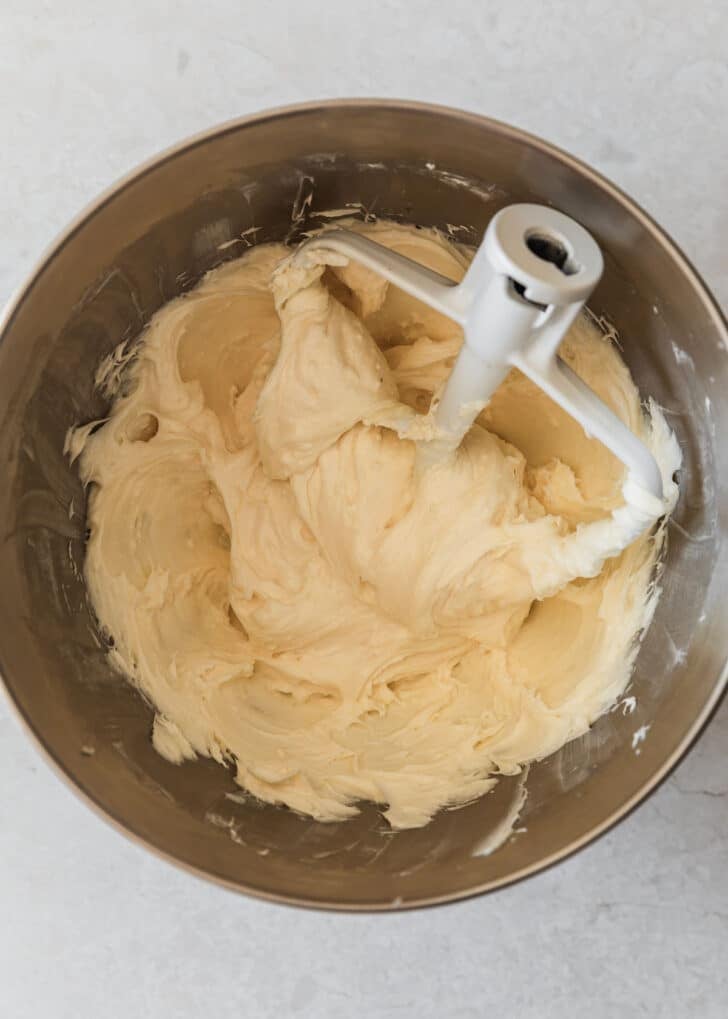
(297, 601)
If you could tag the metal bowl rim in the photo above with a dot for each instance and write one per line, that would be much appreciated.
(497, 127)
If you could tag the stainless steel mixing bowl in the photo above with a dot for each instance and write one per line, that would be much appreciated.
(151, 237)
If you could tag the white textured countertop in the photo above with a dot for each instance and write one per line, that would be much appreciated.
(636, 924)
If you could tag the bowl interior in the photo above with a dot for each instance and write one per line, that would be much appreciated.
(152, 238)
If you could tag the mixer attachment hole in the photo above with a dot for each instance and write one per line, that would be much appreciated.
(552, 249)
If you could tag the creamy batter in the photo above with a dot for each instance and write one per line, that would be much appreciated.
(298, 601)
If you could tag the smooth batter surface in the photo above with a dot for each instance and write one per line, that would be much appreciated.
(296, 600)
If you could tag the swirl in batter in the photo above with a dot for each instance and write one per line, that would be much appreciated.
(297, 600)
